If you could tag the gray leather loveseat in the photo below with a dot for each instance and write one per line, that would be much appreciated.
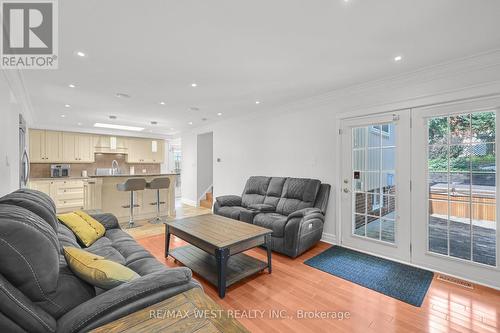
(38, 291)
(293, 208)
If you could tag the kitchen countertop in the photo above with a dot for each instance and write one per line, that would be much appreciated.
(58, 178)
(137, 175)
(106, 176)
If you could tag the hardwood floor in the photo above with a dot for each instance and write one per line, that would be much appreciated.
(294, 286)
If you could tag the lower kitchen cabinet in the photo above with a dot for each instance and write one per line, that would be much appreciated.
(68, 194)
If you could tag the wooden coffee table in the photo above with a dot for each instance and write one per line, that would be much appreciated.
(216, 246)
(181, 313)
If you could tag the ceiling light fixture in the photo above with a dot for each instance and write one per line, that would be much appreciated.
(67, 105)
(122, 95)
(71, 85)
(219, 114)
(190, 123)
(119, 127)
(80, 54)
(162, 103)
(79, 124)
(194, 85)
(63, 116)
(398, 58)
(257, 102)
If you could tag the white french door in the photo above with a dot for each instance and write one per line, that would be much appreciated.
(375, 178)
(454, 197)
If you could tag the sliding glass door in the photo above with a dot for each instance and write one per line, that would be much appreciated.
(454, 198)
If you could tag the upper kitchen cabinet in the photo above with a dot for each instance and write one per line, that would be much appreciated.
(145, 151)
(111, 144)
(45, 146)
(78, 148)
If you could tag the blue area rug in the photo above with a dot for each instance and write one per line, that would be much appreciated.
(405, 283)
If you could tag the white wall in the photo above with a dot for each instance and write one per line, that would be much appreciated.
(204, 163)
(301, 140)
(9, 141)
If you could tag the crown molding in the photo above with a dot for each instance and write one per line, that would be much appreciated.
(463, 78)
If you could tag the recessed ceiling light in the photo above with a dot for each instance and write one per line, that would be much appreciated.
(219, 114)
(79, 124)
(194, 85)
(71, 85)
(63, 116)
(122, 95)
(119, 127)
(162, 103)
(67, 105)
(190, 123)
(80, 54)
(257, 102)
(398, 58)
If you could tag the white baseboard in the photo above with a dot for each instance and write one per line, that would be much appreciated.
(329, 238)
(189, 202)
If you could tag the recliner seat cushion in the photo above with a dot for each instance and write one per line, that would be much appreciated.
(298, 193)
(232, 212)
(274, 221)
(255, 190)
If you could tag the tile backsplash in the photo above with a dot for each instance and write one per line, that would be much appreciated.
(42, 170)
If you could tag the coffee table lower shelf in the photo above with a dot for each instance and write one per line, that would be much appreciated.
(239, 266)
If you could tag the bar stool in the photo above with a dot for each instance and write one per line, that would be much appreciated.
(158, 184)
(132, 185)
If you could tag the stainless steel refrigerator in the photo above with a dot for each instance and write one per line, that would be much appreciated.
(24, 165)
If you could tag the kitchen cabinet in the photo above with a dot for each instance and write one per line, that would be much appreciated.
(45, 146)
(78, 148)
(141, 151)
(92, 194)
(67, 194)
(111, 144)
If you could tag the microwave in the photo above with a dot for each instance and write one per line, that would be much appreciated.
(59, 170)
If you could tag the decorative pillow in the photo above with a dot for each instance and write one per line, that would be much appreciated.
(84, 226)
(96, 270)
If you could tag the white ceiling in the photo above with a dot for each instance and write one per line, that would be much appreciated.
(238, 52)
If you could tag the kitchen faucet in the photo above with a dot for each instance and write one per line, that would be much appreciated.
(114, 167)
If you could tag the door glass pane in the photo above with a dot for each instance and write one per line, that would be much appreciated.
(462, 186)
(373, 179)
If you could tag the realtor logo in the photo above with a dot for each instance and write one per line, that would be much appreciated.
(29, 34)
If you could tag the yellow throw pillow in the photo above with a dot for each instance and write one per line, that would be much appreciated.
(96, 270)
(84, 226)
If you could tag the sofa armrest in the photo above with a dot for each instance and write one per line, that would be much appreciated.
(109, 221)
(127, 298)
(307, 213)
(229, 200)
(262, 208)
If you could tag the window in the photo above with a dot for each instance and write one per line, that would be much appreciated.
(462, 186)
(374, 191)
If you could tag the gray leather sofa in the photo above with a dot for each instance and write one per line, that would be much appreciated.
(293, 208)
(38, 291)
